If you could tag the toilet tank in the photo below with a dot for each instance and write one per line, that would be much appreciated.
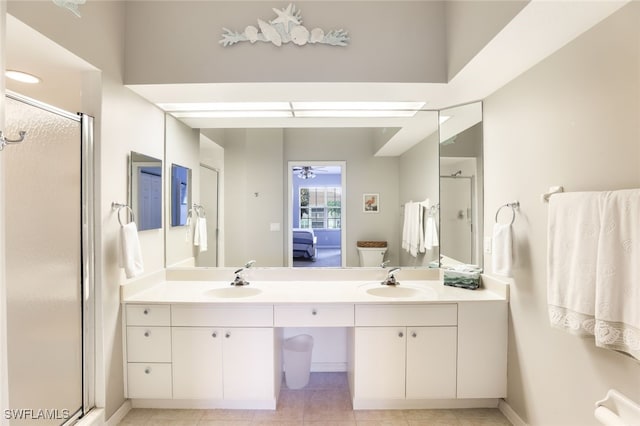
(371, 253)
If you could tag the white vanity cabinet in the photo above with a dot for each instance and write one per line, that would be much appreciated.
(224, 353)
(148, 351)
(404, 352)
(193, 352)
(223, 363)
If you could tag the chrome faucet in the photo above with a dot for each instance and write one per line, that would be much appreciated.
(239, 279)
(391, 277)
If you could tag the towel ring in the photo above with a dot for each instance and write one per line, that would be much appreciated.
(513, 206)
(119, 207)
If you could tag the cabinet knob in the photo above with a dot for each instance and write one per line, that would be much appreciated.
(414, 334)
(314, 312)
(401, 334)
(147, 370)
(146, 311)
(147, 333)
(227, 335)
(214, 334)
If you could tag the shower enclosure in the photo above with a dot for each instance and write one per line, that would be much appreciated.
(49, 260)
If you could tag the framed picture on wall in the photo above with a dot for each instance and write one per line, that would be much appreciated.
(371, 203)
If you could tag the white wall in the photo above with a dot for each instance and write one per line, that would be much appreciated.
(573, 120)
(383, 34)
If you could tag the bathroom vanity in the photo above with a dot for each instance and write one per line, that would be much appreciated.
(193, 343)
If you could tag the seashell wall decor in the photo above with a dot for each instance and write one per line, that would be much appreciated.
(286, 27)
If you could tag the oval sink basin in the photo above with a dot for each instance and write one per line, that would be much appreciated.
(233, 292)
(390, 291)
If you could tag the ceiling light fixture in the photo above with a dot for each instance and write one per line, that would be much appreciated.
(225, 106)
(233, 114)
(362, 106)
(354, 113)
(22, 77)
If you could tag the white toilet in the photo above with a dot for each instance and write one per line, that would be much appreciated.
(371, 253)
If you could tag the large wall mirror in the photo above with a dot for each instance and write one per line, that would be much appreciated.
(254, 197)
(461, 183)
(145, 190)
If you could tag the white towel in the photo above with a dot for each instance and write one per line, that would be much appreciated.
(617, 296)
(572, 256)
(200, 234)
(502, 249)
(405, 226)
(431, 234)
(412, 235)
(130, 253)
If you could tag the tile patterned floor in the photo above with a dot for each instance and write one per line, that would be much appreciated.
(325, 401)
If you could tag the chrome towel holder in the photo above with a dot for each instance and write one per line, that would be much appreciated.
(514, 205)
(120, 206)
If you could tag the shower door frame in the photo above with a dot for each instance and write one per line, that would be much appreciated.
(87, 206)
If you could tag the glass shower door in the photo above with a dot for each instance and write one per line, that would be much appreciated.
(44, 265)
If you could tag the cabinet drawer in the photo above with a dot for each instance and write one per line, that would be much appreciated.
(407, 315)
(148, 344)
(313, 316)
(232, 316)
(149, 381)
(148, 315)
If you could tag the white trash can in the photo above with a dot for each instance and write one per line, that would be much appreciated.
(297, 360)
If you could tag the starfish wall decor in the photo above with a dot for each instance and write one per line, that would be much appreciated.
(286, 27)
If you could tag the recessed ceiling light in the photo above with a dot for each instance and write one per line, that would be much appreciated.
(412, 106)
(225, 106)
(22, 77)
(233, 114)
(348, 113)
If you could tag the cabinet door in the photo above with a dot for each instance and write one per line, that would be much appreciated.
(248, 363)
(431, 362)
(197, 363)
(379, 362)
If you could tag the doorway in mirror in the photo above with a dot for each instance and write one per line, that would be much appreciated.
(316, 211)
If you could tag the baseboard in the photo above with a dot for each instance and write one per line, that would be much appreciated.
(119, 414)
(510, 414)
(95, 417)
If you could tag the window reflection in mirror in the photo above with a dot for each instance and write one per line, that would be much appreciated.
(180, 194)
(461, 183)
(145, 190)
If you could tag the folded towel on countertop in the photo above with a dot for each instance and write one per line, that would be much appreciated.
(462, 275)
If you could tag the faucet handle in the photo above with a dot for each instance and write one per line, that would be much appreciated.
(385, 263)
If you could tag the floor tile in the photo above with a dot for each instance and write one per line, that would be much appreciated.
(325, 401)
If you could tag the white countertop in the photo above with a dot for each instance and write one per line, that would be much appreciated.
(305, 292)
